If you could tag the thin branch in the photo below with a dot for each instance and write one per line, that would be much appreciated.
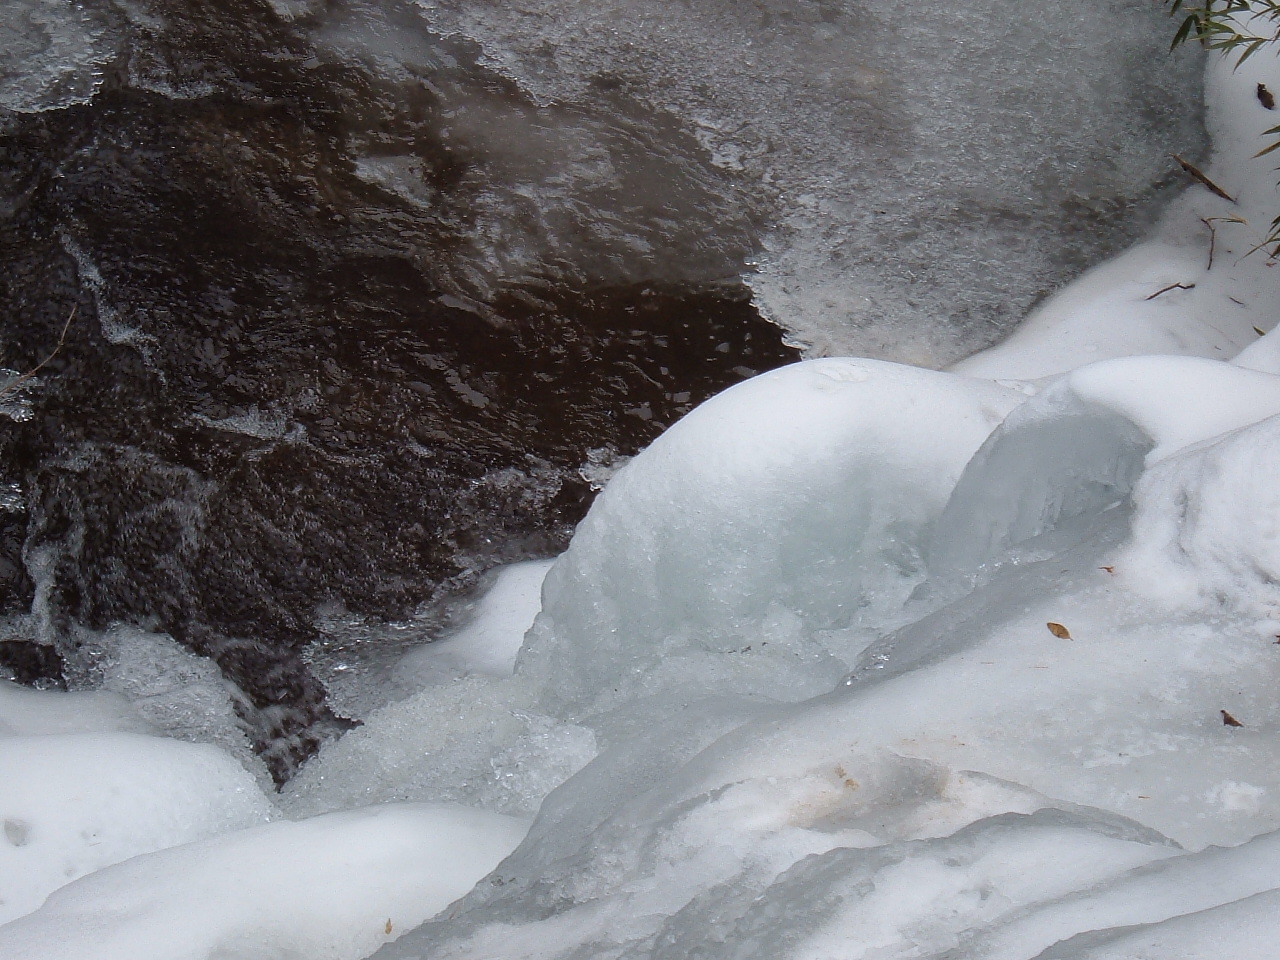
(1172, 286)
(1213, 239)
(62, 339)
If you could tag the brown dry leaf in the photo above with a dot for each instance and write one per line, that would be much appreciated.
(1108, 569)
(1058, 630)
(387, 928)
(1229, 721)
(1198, 175)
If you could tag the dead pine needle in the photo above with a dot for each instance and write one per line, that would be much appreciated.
(1172, 286)
(1195, 173)
(62, 339)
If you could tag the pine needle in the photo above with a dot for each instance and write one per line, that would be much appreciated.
(62, 339)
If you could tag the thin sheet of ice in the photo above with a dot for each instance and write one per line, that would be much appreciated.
(908, 127)
(1199, 286)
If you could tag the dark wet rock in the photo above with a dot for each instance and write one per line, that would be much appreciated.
(31, 664)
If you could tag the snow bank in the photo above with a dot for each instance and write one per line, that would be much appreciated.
(332, 888)
(27, 712)
(74, 803)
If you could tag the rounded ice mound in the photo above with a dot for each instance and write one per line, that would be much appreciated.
(74, 803)
(1207, 528)
(332, 888)
(792, 503)
(1081, 444)
(1056, 462)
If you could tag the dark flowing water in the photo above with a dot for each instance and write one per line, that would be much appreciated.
(349, 310)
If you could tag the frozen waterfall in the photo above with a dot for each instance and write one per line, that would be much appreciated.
(854, 658)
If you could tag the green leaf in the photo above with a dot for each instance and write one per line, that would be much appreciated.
(1183, 33)
(1254, 47)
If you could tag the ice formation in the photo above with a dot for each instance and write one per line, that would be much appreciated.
(858, 660)
(909, 127)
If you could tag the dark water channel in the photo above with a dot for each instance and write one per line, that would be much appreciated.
(288, 385)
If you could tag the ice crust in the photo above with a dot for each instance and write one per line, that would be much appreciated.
(52, 54)
(916, 211)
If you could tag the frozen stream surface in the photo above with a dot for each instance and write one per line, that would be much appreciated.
(856, 660)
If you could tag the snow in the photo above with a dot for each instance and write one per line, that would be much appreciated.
(858, 660)
(489, 641)
(1206, 534)
(332, 888)
(73, 803)
(26, 712)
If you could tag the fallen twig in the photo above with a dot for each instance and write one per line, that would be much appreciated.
(1213, 240)
(62, 339)
(1172, 286)
(1196, 174)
